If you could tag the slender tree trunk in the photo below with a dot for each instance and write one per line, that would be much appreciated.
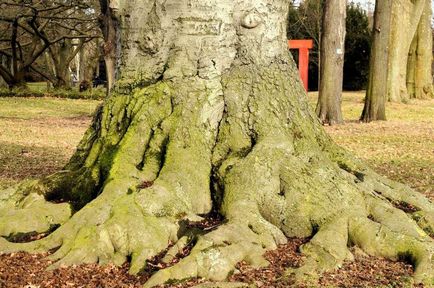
(3, 63)
(62, 56)
(209, 114)
(376, 92)
(419, 67)
(12, 74)
(110, 30)
(332, 62)
(89, 61)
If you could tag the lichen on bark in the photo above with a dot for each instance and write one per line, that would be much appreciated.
(221, 122)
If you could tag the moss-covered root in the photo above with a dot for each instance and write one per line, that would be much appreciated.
(326, 251)
(116, 155)
(216, 254)
(110, 232)
(32, 213)
(393, 192)
(247, 235)
(379, 240)
(125, 232)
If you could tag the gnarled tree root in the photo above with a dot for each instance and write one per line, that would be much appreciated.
(157, 158)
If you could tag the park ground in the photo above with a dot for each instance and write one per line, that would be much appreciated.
(38, 135)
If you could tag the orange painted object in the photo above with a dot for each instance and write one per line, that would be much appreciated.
(303, 47)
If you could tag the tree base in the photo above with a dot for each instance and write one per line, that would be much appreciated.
(246, 145)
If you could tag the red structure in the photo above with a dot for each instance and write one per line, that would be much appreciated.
(303, 47)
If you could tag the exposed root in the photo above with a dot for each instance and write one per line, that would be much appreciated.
(216, 254)
(378, 240)
(102, 233)
(325, 251)
(27, 214)
(148, 161)
(400, 196)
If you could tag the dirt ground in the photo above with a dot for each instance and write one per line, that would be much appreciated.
(24, 270)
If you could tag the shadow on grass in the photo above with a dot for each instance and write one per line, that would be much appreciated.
(18, 162)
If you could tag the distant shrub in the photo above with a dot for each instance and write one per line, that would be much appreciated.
(84, 86)
(357, 48)
(94, 94)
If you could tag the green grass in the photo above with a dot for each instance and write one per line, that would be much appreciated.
(36, 108)
(38, 135)
(401, 148)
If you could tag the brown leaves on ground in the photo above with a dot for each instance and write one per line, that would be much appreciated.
(367, 272)
(20, 270)
(286, 256)
(23, 270)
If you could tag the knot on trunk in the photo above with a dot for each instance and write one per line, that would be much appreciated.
(251, 20)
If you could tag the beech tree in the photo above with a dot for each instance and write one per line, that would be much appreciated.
(407, 56)
(88, 61)
(109, 27)
(419, 66)
(376, 93)
(405, 19)
(332, 62)
(208, 113)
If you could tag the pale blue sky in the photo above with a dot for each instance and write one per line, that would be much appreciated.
(371, 3)
(367, 4)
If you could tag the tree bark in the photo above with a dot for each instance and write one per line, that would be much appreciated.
(62, 55)
(208, 114)
(419, 66)
(332, 62)
(375, 101)
(89, 61)
(110, 30)
(3, 63)
(406, 15)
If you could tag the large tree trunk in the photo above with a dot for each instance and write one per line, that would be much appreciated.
(332, 62)
(419, 67)
(406, 15)
(208, 113)
(375, 108)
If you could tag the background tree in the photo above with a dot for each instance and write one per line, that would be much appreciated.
(88, 61)
(403, 54)
(33, 28)
(405, 18)
(208, 113)
(376, 93)
(332, 62)
(110, 30)
(419, 66)
(305, 23)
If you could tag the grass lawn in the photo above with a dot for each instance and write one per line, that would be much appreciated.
(38, 135)
(401, 148)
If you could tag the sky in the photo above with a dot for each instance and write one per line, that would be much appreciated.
(370, 4)
(367, 4)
